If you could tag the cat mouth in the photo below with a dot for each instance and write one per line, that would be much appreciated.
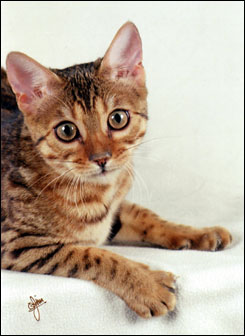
(104, 172)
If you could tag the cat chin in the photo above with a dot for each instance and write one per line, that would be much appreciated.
(102, 178)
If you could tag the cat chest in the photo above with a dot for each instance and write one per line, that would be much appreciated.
(94, 234)
(90, 224)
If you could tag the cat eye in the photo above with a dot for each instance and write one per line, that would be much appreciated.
(118, 119)
(66, 131)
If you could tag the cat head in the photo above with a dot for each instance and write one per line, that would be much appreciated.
(87, 118)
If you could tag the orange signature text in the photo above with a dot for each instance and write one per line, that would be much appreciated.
(34, 305)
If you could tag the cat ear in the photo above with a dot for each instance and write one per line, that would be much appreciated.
(29, 80)
(123, 58)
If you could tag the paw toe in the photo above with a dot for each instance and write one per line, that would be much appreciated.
(215, 239)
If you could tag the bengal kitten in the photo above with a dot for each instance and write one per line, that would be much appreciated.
(67, 166)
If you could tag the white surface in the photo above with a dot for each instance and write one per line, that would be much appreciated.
(210, 300)
(191, 173)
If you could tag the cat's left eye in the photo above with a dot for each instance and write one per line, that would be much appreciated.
(66, 131)
(118, 119)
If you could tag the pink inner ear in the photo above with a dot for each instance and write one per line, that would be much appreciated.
(27, 77)
(124, 56)
(29, 80)
(19, 78)
(38, 92)
(23, 99)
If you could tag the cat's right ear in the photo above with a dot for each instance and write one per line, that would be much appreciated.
(30, 81)
(123, 58)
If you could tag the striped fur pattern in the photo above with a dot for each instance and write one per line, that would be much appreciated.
(60, 202)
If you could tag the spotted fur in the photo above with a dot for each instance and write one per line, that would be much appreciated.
(58, 206)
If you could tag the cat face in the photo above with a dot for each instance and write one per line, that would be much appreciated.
(86, 119)
(94, 135)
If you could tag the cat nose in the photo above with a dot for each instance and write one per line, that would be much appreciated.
(101, 162)
(100, 158)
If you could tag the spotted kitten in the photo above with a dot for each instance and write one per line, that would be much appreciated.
(67, 166)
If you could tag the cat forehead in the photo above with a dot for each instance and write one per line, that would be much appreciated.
(88, 92)
(82, 83)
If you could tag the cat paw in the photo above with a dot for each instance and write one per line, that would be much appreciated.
(153, 294)
(207, 239)
(213, 239)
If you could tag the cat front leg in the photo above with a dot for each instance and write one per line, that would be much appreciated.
(142, 225)
(147, 292)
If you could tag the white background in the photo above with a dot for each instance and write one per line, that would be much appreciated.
(191, 169)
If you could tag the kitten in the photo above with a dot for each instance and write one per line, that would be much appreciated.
(67, 167)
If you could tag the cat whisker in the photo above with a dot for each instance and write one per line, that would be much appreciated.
(81, 189)
(60, 181)
(67, 195)
(140, 179)
(86, 173)
(70, 179)
(135, 180)
(70, 191)
(130, 173)
(40, 178)
(53, 181)
(145, 157)
(131, 147)
(62, 161)
(76, 188)
(149, 140)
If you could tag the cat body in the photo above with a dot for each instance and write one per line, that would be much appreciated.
(68, 137)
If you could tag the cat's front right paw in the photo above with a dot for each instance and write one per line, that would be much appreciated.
(153, 294)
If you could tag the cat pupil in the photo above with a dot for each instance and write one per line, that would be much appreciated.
(67, 130)
(118, 118)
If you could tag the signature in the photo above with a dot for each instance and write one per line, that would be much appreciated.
(34, 305)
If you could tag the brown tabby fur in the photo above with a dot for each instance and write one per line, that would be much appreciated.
(53, 218)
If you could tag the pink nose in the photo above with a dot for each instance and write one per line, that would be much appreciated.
(101, 162)
(100, 158)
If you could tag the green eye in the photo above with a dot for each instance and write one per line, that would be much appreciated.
(66, 131)
(118, 119)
